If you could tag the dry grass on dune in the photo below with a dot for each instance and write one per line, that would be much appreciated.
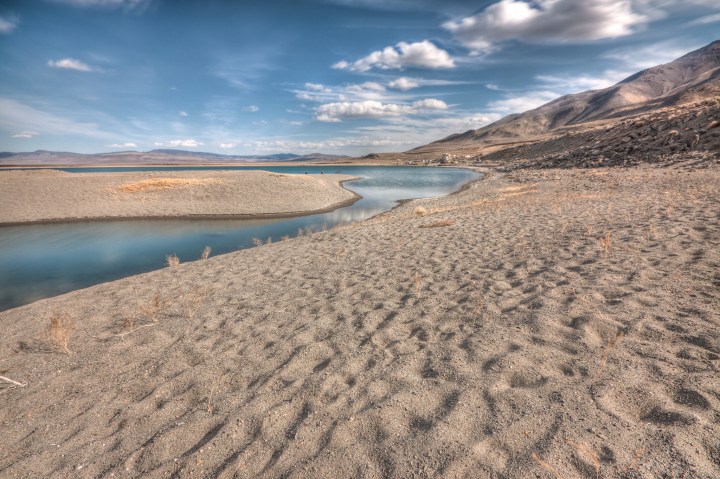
(160, 184)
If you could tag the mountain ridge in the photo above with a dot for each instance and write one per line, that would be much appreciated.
(669, 84)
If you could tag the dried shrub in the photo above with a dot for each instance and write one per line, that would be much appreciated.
(61, 329)
(172, 260)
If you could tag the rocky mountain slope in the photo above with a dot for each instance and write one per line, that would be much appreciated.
(687, 79)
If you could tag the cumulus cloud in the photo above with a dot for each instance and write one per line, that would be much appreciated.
(189, 143)
(123, 145)
(70, 64)
(404, 84)
(183, 113)
(251, 108)
(227, 145)
(336, 112)
(546, 20)
(8, 23)
(422, 54)
(25, 134)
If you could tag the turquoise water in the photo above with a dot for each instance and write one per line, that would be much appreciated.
(39, 261)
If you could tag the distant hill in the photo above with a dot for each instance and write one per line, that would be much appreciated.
(689, 78)
(153, 157)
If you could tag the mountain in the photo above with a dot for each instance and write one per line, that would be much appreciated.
(153, 157)
(691, 77)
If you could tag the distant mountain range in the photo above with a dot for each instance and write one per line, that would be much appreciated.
(691, 77)
(153, 157)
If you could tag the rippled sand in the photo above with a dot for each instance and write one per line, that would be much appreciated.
(551, 324)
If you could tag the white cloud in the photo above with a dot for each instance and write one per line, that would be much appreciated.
(190, 143)
(316, 87)
(639, 57)
(422, 54)
(336, 112)
(706, 20)
(227, 145)
(8, 23)
(577, 83)
(15, 115)
(523, 102)
(404, 84)
(140, 5)
(70, 64)
(251, 108)
(123, 145)
(546, 20)
(25, 134)
(183, 113)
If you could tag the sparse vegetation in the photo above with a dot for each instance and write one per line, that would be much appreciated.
(546, 466)
(439, 224)
(417, 281)
(420, 211)
(206, 252)
(586, 453)
(611, 344)
(152, 309)
(605, 242)
(285, 238)
(61, 329)
(160, 184)
(172, 260)
(257, 241)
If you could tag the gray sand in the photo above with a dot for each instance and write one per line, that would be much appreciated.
(537, 324)
(47, 195)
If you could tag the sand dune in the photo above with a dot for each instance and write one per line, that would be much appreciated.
(51, 195)
(559, 324)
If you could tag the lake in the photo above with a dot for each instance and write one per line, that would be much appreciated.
(43, 260)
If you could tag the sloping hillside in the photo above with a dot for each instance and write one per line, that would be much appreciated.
(681, 81)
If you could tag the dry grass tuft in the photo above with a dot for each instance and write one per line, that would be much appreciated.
(172, 260)
(206, 252)
(611, 344)
(193, 299)
(439, 224)
(605, 243)
(420, 211)
(285, 238)
(152, 309)
(61, 328)
(545, 465)
(257, 241)
(417, 281)
(586, 453)
(161, 184)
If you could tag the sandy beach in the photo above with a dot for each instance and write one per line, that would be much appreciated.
(552, 323)
(52, 195)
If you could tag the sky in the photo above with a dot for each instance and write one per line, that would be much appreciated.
(334, 76)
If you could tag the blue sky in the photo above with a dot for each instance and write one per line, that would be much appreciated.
(338, 76)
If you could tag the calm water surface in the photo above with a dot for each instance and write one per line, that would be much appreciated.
(39, 261)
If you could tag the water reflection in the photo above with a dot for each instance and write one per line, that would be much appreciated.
(38, 261)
